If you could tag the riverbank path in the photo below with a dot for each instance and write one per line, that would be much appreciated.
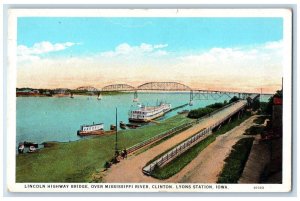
(130, 169)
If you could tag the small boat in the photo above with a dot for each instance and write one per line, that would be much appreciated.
(28, 144)
(94, 129)
(71, 95)
(122, 125)
(99, 97)
(112, 127)
(32, 149)
(21, 148)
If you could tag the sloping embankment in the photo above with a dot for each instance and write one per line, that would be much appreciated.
(258, 159)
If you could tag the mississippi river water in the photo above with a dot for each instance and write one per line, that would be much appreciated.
(41, 119)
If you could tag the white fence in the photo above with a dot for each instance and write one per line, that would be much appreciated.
(187, 144)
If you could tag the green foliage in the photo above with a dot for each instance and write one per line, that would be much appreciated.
(216, 105)
(278, 94)
(235, 162)
(263, 107)
(233, 99)
(269, 107)
(198, 113)
(256, 104)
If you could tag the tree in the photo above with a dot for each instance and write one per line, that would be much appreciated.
(256, 104)
(233, 99)
(269, 107)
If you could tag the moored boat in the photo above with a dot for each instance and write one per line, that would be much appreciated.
(94, 129)
(112, 127)
(28, 144)
(32, 149)
(148, 113)
(122, 125)
(21, 148)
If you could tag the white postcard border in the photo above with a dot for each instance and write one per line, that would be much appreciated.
(11, 91)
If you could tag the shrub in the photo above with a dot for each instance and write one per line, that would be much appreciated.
(216, 105)
(198, 113)
(233, 99)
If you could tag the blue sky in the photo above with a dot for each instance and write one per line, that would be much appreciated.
(181, 34)
(207, 53)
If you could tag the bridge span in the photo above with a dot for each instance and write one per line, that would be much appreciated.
(195, 94)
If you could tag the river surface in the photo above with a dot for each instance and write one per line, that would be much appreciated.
(41, 119)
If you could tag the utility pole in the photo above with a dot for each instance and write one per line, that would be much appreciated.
(260, 98)
(116, 143)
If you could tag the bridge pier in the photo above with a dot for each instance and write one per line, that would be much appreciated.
(135, 96)
(99, 97)
(191, 98)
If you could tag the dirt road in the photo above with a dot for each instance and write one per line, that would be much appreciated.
(130, 169)
(206, 167)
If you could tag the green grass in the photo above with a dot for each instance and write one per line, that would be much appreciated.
(235, 162)
(181, 161)
(77, 161)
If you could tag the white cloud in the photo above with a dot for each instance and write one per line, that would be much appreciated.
(29, 54)
(254, 66)
(43, 47)
(125, 49)
(236, 58)
(273, 45)
(236, 67)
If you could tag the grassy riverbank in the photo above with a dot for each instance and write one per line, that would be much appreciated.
(180, 162)
(77, 161)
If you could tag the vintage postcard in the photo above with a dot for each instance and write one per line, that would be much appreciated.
(157, 100)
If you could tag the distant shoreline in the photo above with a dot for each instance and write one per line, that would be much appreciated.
(68, 95)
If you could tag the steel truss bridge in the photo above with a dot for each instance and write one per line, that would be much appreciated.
(195, 94)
